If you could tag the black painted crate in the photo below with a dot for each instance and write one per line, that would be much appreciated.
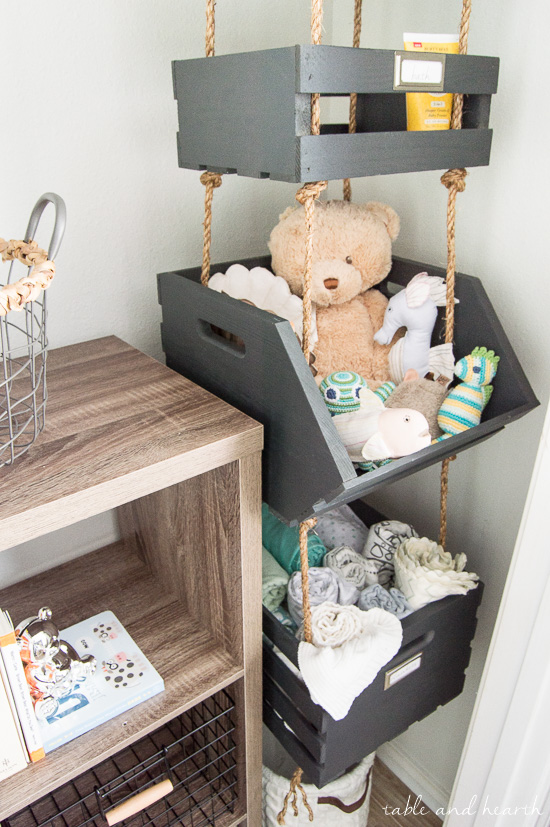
(436, 640)
(306, 469)
(249, 114)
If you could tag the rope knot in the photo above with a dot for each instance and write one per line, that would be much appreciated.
(295, 786)
(455, 178)
(213, 178)
(312, 190)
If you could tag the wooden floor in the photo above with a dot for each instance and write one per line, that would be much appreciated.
(392, 804)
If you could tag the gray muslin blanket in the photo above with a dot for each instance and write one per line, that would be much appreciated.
(351, 566)
(393, 601)
(324, 584)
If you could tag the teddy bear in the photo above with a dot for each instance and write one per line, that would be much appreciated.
(352, 254)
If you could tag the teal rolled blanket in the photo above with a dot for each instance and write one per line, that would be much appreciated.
(274, 581)
(283, 542)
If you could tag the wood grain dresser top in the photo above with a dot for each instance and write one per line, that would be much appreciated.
(119, 425)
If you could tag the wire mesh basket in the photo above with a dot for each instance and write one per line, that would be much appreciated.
(194, 754)
(23, 349)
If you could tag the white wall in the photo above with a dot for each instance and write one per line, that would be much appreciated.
(89, 112)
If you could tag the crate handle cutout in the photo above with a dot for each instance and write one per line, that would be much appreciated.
(139, 802)
(224, 339)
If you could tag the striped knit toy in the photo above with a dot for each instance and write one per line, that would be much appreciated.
(341, 391)
(463, 406)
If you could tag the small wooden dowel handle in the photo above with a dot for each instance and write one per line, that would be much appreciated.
(139, 802)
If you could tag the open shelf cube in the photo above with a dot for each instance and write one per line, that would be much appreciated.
(306, 469)
(182, 469)
(250, 114)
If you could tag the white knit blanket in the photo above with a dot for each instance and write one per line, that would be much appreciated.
(424, 572)
(349, 648)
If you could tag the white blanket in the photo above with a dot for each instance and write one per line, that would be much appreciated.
(349, 648)
(425, 572)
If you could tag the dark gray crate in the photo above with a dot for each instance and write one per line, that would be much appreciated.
(441, 633)
(306, 469)
(250, 114)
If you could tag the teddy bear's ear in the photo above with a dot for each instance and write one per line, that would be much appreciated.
(386, 214)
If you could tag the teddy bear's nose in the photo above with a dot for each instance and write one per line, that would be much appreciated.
(331, 284)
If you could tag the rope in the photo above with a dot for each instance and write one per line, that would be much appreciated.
(210, 180)
(14, 296)
(210, 28)
(352, 129)
(27, 252)
(295, 785)
(307, 195)
(316, 31)
(455, 181)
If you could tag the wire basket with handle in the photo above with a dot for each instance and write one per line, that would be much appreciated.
(23, 342)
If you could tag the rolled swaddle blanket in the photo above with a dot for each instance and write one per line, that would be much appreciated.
(324, 584)
(349, 648)
(393, 600)
(283, 542)
(351, 566)
(342, 527)
(424, 572)
(382, 541)
(274, 581)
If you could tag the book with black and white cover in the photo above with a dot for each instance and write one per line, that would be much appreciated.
(123, 678)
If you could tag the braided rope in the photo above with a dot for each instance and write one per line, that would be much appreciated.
(292, 797)
(306, 195)
(210, 180)
(352, 129)
(27, 252)
(455, 181)
(15, 296)
(210, 28)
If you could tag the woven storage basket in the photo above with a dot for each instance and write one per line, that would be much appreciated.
(343, 802)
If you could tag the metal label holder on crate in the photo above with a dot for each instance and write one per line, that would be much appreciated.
(23, 341)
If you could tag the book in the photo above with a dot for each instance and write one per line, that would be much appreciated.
(9, 651)
(13, 753)
(123, 678)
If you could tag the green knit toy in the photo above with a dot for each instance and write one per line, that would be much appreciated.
(463, 406)
(341, 391)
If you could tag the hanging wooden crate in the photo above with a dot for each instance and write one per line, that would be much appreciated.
(427, 672)
(306, 469)
(250, 114)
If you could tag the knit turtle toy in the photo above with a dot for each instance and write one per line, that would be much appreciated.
(462, 407)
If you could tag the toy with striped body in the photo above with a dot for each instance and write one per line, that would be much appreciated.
(463, 406)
